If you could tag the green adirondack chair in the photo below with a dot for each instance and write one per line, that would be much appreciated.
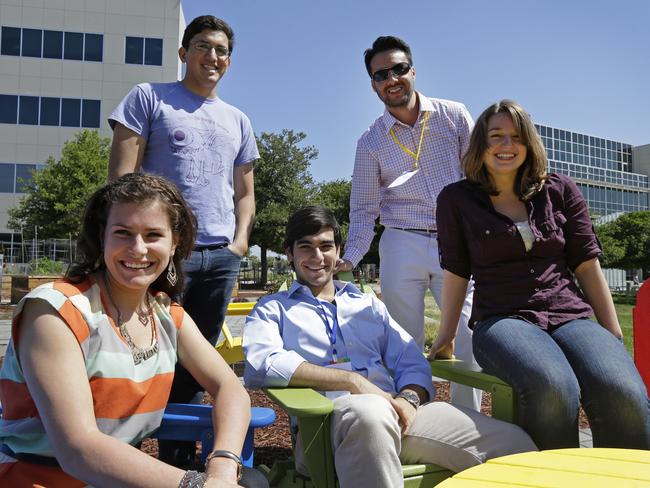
(312, 410)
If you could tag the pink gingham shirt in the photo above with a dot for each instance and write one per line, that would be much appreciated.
(379, 161)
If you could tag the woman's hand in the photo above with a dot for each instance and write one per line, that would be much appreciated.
(442, 348)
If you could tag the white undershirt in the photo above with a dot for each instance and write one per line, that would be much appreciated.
(526, 234)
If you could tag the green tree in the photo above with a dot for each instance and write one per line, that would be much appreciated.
(335, 195)
(283, 183)
(626, 241)
(56, 196)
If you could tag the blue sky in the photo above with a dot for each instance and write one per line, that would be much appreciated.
(575, 64)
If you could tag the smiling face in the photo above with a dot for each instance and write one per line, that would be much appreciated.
(505, 152)
(395, 91)
(314, 258)
(204, 68)
(137, 245)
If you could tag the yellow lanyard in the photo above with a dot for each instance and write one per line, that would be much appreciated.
(416, 156)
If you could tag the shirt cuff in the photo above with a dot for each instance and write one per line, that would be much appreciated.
(353, 256)
(282, 368)
(417, 379)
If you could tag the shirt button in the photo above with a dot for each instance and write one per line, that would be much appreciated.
(537, 239)
(487, 232)
(532, 271)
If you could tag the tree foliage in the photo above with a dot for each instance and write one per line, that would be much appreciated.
(56, 196)
(335, 195)
(283, 183)
(626, 241)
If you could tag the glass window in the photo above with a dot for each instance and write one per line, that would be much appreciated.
(93, 48)
(28, 112)
(73, 46)
(32, 42)
(153, 51)
(52, 44)
(8, 109)
(10, 41)
(70, 112)
(134, 51)
(90, 113)
(7, 174)
(50, 108)
(23, 176)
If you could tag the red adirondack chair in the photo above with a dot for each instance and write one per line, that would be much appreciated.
(641, 327)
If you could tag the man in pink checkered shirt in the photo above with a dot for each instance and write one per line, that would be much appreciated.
(406, 157)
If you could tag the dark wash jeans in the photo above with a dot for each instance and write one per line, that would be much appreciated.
(210, 276)
(553, 372)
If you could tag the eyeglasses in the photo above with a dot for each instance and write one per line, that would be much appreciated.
(206, 47)
(400, 69)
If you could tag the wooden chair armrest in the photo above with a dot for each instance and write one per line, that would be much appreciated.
(300, 402)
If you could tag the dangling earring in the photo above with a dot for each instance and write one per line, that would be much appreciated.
(172, 277)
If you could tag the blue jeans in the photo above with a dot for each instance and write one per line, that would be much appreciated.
(553, 372)
(210, 276)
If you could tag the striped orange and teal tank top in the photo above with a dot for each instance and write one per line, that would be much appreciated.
(128, 399)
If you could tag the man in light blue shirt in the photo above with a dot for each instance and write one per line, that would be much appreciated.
(327, 335)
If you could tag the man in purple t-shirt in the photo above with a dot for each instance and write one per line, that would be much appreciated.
(184, 132)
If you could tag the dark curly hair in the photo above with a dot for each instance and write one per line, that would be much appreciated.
(133, 188)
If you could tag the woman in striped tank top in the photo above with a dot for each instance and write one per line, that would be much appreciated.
(88, 371)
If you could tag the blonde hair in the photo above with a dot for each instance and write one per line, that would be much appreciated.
(531, 174)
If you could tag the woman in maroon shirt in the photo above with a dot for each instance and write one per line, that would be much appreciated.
(523, 236)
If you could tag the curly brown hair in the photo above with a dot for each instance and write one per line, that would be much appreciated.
(140, 189)
(531, 174)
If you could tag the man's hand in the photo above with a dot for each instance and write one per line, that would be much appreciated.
(343, 265)
(405, 411)
(238, 248)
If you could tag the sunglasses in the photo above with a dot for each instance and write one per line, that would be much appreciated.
(400, 69)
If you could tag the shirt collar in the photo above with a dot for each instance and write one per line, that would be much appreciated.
(390, 120)
(340, 286)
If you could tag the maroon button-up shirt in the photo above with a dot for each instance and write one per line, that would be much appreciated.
(477, 241)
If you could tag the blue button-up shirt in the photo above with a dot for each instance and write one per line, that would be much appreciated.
(287, 328)
(380, 160)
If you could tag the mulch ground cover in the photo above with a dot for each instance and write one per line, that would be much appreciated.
(273, 443)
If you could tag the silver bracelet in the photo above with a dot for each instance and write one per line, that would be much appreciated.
(192, 479)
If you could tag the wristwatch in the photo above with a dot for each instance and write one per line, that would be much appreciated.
(410, 396)
(229, 455)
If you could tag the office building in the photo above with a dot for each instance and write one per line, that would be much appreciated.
(612, 175)
(64, 66)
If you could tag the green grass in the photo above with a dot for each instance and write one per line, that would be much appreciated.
(432, 321)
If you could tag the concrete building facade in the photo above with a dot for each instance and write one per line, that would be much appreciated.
(64, 66)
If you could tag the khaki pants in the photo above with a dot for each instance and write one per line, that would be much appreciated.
(369, 449)
(409, 266)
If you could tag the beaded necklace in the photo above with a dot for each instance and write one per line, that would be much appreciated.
(139, 354)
